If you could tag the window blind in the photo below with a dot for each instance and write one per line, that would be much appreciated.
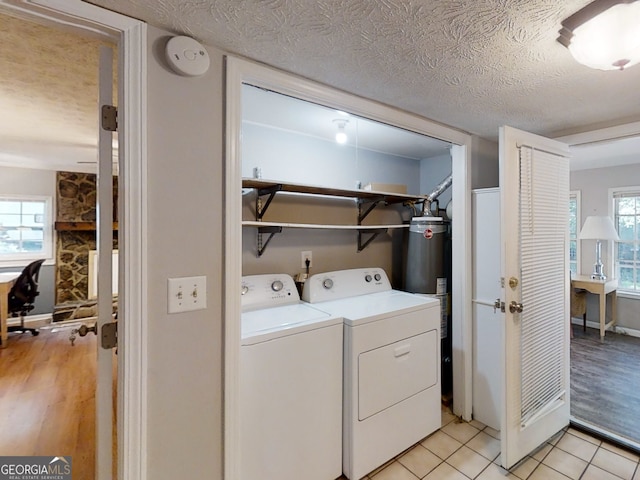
(544, 187)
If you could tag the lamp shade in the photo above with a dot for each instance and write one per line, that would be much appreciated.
(598, 228)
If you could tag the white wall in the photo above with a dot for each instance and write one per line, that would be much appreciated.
(594, 185)
(185, 238)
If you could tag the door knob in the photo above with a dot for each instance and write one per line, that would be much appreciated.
(82, 331)
(515, 307)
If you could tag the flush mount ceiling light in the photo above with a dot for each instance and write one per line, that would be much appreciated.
(604, 35)
(341, 135)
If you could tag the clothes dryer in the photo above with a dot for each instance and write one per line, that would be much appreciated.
(391, 364)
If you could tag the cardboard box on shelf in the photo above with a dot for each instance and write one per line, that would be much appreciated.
(386, 187)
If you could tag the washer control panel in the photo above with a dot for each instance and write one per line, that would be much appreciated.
(327, 286)
(270, 290)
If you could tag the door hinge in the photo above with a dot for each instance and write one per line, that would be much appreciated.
(109, 118)
(109, 334)
(502, 282)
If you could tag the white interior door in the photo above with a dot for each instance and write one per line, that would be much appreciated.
(104, 389)
(534, 187)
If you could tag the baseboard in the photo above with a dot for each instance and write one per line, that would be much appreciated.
(74, 321)
(32, 321)
(632, 332)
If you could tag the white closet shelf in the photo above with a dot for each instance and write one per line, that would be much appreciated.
(367, 200)
(387, 197)
(253, 223)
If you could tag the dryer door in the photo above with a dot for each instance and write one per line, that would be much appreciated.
(392, 373)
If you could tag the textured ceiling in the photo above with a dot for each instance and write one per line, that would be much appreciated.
(48, 96)
(471, 64)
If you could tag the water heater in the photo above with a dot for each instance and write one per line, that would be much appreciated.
(425, 272)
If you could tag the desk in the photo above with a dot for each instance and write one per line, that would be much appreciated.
(602, 289)
(6, 282)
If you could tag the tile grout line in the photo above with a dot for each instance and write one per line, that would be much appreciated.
(483, 470)
(553, 445)
(466, 445)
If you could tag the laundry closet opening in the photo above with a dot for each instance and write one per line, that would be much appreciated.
(340, 190)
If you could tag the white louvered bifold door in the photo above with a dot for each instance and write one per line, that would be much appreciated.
(535, 197)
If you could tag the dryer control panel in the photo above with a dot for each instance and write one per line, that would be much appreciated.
(327, 286)
(270, 290)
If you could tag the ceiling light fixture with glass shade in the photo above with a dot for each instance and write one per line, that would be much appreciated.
(604, 35)
(341, 134)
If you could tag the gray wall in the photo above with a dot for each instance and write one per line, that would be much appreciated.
(305, 159)
(484, 163)
(28, 181)
(185, 238)
(332, 249)
(337, 249)
(594, 185)
(45, 301)
(432, 172)
(296, 158)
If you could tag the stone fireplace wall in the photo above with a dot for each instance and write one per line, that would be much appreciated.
(75, 202)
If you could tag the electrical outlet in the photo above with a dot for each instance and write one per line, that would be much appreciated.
(186, 293)
(303, 258)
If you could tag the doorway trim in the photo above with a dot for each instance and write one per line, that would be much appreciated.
(594, 137)
(131, 37)
(601, 135)
(241, 71)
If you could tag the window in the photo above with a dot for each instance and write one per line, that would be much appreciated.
(626, 210)
(574, 229)
(25, 228)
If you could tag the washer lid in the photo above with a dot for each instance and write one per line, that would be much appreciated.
(375, 306)
(269, 323)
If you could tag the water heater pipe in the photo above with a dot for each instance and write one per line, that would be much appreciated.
(431, 197)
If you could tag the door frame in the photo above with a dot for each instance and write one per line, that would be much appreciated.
(239, 71)
(602, 135)
(131, 37)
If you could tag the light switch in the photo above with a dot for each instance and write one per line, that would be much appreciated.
(186, 294)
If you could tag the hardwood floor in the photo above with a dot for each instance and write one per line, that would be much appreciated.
(47, 398)
(605, 381)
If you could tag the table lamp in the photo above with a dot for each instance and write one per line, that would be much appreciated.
(598, 228)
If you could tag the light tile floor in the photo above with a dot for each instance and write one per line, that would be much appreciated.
(463, 451)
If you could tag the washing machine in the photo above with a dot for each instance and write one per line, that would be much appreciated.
(391, 364)
(290, 384)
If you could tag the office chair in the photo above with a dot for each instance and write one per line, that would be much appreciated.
(23, 294)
